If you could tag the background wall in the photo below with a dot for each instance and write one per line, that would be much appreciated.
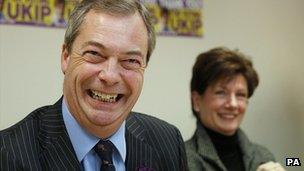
(271, 32)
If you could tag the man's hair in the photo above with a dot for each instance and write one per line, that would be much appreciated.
(113, 7)
(222, 63)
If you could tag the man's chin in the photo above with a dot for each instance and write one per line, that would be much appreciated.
(103, 119)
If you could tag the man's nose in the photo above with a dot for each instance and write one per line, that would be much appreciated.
(109, 72)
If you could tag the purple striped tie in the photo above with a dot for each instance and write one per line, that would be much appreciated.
(104, 149)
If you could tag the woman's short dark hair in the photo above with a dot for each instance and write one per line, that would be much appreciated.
(219, 63)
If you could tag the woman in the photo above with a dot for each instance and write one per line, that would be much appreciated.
(222, 82)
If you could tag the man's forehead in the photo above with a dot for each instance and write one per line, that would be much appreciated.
(98, 18)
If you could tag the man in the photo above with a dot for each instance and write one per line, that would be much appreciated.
(107, 47)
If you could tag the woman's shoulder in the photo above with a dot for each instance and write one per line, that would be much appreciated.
(195, 161)
(254, 149)
(262, 152)
(190, 143)
(192, 148)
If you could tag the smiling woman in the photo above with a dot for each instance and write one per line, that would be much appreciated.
(222, 82)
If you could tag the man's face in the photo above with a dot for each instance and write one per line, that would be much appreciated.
(103, 73)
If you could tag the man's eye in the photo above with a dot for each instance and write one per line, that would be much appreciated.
(133, 61)
(131, 64)
(93, 56)
(91, 52)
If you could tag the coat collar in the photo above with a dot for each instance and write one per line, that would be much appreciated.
(57, 149)
(56, 146)
(140, 155)
(207, 150)
(205, 147)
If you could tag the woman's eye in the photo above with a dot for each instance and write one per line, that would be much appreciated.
(220, 92)
(242, 95)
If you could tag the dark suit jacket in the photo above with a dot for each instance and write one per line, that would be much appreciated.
(40, 142)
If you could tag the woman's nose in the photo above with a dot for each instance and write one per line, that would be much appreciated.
(232, 102)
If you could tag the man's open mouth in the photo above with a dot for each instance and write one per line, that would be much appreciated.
(104, 97)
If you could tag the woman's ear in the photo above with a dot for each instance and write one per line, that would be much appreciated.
(195, 97)
(65, 57)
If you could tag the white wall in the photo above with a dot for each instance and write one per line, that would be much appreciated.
(271, 32)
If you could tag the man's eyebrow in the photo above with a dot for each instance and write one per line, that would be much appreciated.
(100, 45)
(93, 43)
(135, 53)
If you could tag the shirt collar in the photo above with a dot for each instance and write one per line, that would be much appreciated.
(84, 141)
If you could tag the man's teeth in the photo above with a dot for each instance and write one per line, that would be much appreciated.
(104, 97)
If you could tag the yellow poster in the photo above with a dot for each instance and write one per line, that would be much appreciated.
(36, 12)
(170, 17)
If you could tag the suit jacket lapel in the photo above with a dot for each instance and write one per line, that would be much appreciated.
(206, 148)
(140, 155)
(57, 150)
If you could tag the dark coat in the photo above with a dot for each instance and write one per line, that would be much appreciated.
(41, 142)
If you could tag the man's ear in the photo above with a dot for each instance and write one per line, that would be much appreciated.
(65, 57)
(195, 97)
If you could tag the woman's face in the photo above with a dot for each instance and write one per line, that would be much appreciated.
(222, 106)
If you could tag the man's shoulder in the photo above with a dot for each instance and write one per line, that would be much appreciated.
(159, 138)
(22, 139)
(29, 124)
(149, 122)
(37, 142)
(151, 128)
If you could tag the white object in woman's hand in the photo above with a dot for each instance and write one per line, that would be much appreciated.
(271, 166)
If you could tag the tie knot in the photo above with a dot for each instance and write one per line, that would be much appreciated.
(104, 149)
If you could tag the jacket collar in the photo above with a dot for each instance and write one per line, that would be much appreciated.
(53, 134)
(205, 147)
(207, 150)
(140, 155)
(57, 149)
